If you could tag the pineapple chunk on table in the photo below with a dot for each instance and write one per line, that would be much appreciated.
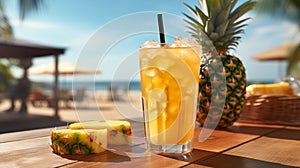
(270, 89)
(118, 132)
(86, 141)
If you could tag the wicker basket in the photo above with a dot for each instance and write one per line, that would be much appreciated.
(273, 109)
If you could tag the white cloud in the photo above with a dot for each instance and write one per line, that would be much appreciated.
(284, 29)
(33, 24)
(263, 30)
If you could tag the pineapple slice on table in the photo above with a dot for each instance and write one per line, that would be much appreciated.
(271, 89)
(86, 141)
(118, 132)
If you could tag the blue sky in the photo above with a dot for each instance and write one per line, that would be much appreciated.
(74, 23)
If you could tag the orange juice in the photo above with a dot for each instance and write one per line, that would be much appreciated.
(169, 83)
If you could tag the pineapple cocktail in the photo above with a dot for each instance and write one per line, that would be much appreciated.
(169, 82)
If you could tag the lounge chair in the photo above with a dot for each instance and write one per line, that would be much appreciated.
(38, 98)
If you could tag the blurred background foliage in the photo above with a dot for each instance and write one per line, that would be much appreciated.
(6, 75)
(26, 7)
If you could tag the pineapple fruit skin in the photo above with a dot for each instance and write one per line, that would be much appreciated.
(234, 96)
(270, 89)
(66, 141)
(118, 132)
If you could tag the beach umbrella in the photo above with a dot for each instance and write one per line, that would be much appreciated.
(277, 53)
(282, 52)
(64, 68)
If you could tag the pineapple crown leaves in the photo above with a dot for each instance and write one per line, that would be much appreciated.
(220, 20)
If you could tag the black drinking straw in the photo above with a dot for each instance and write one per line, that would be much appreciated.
(161, 29)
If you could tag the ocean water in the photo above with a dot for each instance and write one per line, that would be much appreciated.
(105, 85)
(102, 85)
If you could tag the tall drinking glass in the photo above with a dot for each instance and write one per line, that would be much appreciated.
(169, 82)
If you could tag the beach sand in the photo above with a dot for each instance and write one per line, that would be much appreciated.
(96, 106)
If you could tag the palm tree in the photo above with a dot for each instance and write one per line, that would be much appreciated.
(289, 10)
(25, 8)
(5, 27)
(286, 9)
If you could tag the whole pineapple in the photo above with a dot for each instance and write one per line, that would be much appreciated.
(221, 21)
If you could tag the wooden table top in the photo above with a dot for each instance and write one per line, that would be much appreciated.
(239, 146)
